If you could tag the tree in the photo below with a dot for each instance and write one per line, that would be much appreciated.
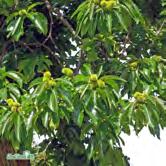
(80, 73)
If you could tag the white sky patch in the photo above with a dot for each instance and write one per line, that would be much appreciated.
(144, 149)
(38, 139)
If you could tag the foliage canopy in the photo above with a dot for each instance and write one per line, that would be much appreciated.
(80, 73)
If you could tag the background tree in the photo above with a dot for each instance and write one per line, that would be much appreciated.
(80, 73)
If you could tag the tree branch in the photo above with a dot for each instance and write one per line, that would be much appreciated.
(161, 27)
(65, 22)
(80, 62)
(49, 7)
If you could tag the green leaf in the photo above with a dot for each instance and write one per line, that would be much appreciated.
(92, 116)
(36, 81)
(14, 75)
(84, 90)
(80, 79)
(91, 151)
(10, 3)
(29, 123)
(32, 64)
(121, 20)
(160, 103)
(85, 130)
(5, 126)
(45, 119)
(109, 23)
(39, 90)
(18, 127)
(67, 99)
(30, 7)
(3, 93)
(53, 103)
(4, 120)
(40, 21)
(15, 28)
(134, 11)
(113, 77)
(113, 157)
(80, 118)
(92, 11)
(13, 89)
(111, 82)
(148, 117)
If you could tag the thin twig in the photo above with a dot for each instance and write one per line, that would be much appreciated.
(38, 44)
(80, 62)
(4, 50)
(161, 27)
(65, 22)
(25, 45)
(125, 43)
(49, 7)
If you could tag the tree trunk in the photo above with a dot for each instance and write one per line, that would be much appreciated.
(6, 148)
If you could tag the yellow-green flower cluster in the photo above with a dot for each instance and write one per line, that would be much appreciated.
(134, 65)
(14, 105)
(106, 4)
(140, 97)
(95, 82)
(67, 71)
(49, 81)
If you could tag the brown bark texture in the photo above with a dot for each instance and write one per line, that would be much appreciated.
(6, 148)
